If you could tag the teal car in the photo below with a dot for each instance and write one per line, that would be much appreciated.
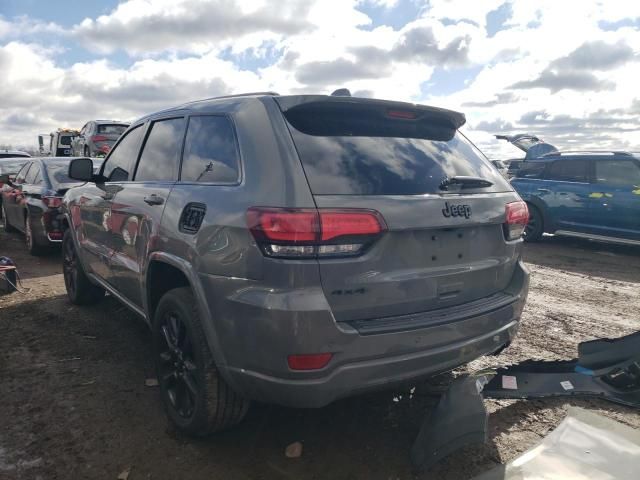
(594, 195)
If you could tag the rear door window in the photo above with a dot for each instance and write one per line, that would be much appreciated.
(161, 152)
(569, 171)
(352, 153)
(617, 173)
(23, 173)
(210, 151)
(118, 166)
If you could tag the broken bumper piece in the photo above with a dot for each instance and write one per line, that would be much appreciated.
(605, 368)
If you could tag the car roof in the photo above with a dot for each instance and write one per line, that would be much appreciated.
(17, 153)
(456, 119)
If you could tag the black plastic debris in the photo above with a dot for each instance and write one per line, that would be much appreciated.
(459, 419)
(8, 275)
(605, 368)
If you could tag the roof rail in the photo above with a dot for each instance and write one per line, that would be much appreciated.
(250, 94)
(588, 152)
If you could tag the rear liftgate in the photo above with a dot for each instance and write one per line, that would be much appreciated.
(605, 368)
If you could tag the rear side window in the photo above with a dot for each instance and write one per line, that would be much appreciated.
(118, 166)
(33, 173)
(569, 171)
(347, 152)
(161, 152)
(618, 172)
(530, 170)
(210, 151)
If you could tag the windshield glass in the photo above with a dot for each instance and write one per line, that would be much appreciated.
(58, 173)
(344, 165)
(111, 129)
(11, 167)
(66, 139)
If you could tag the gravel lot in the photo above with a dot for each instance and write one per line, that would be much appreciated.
(75, 404)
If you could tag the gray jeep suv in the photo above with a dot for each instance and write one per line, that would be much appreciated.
(298, 249)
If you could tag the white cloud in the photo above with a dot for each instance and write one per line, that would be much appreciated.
(319, 45)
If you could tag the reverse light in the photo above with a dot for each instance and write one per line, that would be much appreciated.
(517, 217)
(314, 361)
(52, 202)
(310, 233)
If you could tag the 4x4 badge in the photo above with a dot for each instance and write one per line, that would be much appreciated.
(456, 210)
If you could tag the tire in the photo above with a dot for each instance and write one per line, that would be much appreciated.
(87, 153)
(535, 227)
(33, 248)
(80, 290)
(196, 398)
(6, 226)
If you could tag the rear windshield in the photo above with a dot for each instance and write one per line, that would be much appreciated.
(111, 129)
(11, 167)
(380, 165)
(58, 173)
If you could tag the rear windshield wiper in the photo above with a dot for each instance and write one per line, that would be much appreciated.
(464, 182)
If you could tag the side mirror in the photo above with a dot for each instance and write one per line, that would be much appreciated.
(4, 178)
(81, 169)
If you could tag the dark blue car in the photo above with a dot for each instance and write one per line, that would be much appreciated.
(591, 195)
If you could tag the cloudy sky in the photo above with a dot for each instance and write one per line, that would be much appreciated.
(567, 70)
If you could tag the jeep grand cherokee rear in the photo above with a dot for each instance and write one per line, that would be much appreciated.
(300, 249)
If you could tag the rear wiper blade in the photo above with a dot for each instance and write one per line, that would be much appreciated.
(464, 182)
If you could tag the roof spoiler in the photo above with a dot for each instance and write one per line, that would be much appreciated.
(414, 112)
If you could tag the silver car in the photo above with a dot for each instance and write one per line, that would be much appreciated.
(298, 249)
(97, 137)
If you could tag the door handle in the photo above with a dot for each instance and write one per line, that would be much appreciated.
(153, 199)
(544, 190)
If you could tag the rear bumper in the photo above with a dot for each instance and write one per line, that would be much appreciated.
(259, 339)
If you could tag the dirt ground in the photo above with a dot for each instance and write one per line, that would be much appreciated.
(74, 402)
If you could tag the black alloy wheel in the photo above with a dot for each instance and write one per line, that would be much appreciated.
(177, 368)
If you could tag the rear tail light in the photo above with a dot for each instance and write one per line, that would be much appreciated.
(99, 138)
(52, 202)
(311, 233)
(314, 361)
(517, 217)
(105, 148)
